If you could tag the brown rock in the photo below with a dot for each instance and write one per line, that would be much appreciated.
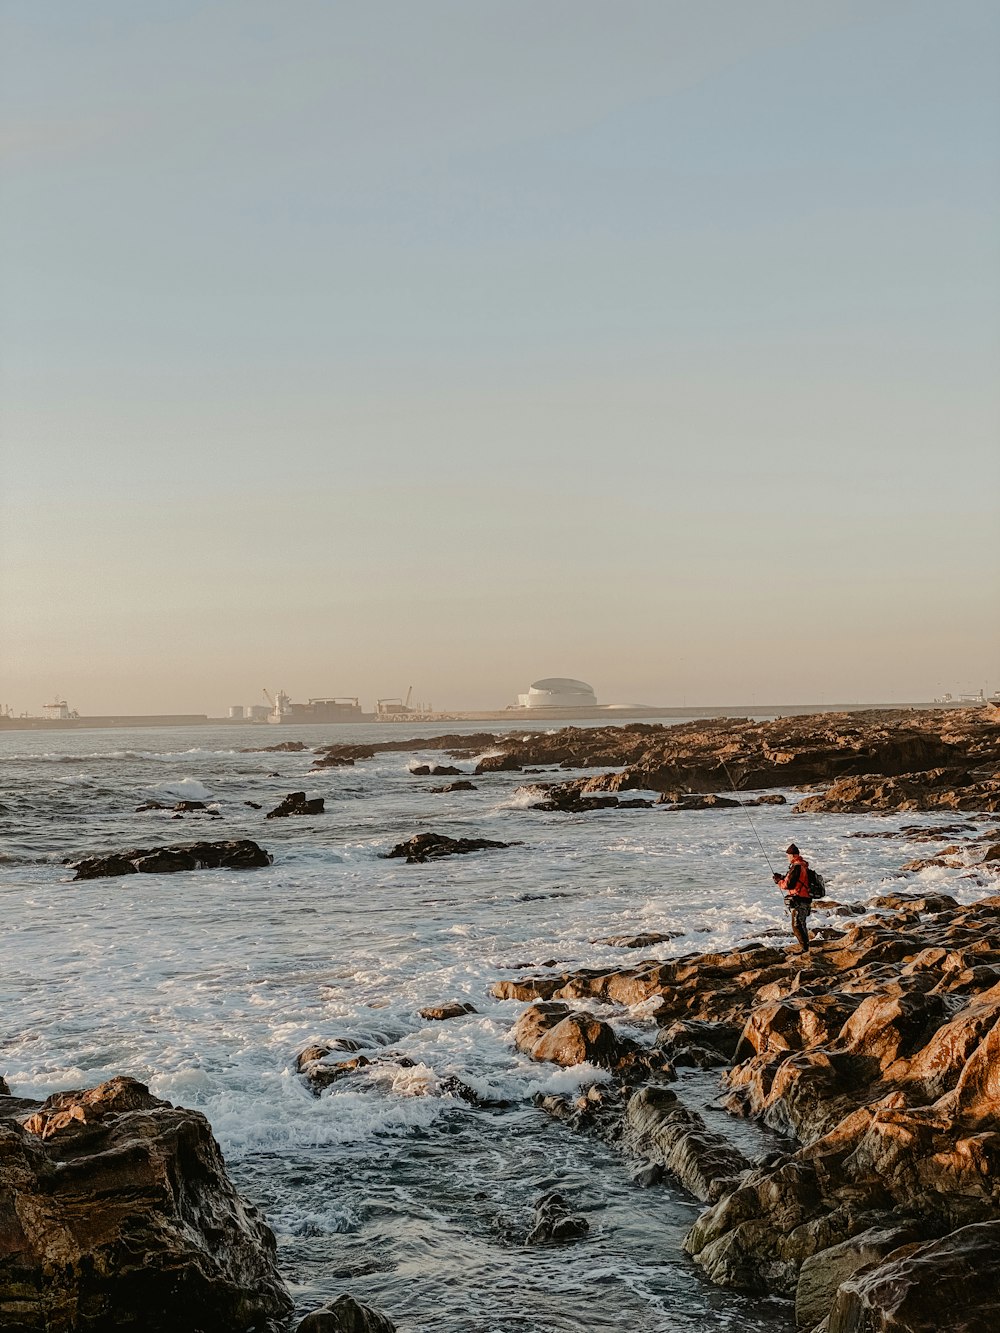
(122, 1217)
(949, 1284)
(661, 1131)
(439, 1012)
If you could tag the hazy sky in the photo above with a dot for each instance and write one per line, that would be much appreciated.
(348, 346)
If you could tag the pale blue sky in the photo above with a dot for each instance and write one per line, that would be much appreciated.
(466, 343)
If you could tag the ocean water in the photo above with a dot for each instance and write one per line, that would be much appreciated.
(206, 985)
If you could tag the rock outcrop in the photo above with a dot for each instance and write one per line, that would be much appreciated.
(432, 846)
(707, 756)
(878, 1059)
(346, 1315)
(438, 1013)
(116, 1213)
(296, 803)
(930, 789)
(240, 854)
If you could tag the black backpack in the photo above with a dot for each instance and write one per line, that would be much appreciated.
(816, 884)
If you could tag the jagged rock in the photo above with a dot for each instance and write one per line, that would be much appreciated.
(118, 1215)
(663, 1132)
(642, 941)
(456, 786)
(346, 1315)
(240, 854)
(822, 1273)
(555, 1223)
(553, 1031)
(295, 803)
(455, 1009)
(932, 789)
(283, 747)
(696, 802)
(906, 902)
(431, 846)
(952, 1283)
(342, 756)
(879, 1056)
(696, 1043)
(784, 752)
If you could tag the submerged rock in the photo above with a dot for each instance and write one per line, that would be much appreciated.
(118, 1215)
(431, 846)
(346, 1315)
(554, 1223)
(239, 854)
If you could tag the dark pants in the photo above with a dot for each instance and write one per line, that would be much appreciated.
(800, 909)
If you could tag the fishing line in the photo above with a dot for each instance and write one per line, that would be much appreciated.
(747, 813)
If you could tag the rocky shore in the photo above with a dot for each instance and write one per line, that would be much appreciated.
(871, 1065)
(876, 1058)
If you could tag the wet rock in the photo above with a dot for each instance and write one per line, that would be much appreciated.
(432, 846)
(440, 1012)
(694, 1043)
(241, 854)
(907, 902)
(567, 799)
(642, 941)
(283, 747)
(931, 789)
(346, 1315)
(531, 988)
(554, 1223)
(664, 1133)
(254, 805)
(696, 802)
(579, 1039)
(822, 1273)
(309, 1055)
(554, 1032)
(342, 756)
(952, 1283)
(295, 803)
(121, 1217)
(456, 786)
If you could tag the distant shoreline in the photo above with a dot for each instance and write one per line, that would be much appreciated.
(609, 713)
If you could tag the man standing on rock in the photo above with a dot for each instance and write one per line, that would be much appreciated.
(795, 886)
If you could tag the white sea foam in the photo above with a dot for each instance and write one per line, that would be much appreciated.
(183, 789)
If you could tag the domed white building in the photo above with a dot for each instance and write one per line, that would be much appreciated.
(558, 692)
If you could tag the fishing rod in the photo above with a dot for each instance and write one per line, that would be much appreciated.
(749, 820)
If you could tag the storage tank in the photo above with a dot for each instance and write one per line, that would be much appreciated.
(258, 712)
(236, 712)
(559, 692)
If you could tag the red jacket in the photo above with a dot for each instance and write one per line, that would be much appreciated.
(796, 882)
